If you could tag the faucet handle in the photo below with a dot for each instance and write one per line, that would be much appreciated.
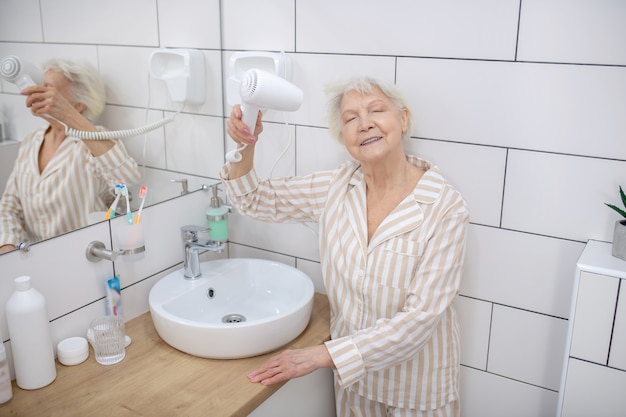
(190, 232)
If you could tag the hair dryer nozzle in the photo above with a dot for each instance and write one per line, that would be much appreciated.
(21, 73)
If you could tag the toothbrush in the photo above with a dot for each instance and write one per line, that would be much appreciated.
(142, 194)
(111, 211)
(129, 216)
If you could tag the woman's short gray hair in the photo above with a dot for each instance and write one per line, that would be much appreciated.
(86, 85)
(363, 85)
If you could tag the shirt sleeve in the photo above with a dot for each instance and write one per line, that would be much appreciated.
(288, 199)
(432, 290)
(11, 218)
(116, 165)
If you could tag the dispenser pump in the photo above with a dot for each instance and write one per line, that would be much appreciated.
(217, 217)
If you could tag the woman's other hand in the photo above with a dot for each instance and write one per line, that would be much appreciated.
(291, 364)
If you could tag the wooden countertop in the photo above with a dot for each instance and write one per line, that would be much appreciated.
(154, 379)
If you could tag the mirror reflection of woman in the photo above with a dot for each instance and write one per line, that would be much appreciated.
(392, 233)
(58, 180)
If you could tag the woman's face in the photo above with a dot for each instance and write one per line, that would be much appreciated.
(372, 125)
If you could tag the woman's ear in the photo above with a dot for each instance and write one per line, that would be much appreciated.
(405, 119)
(80, 107)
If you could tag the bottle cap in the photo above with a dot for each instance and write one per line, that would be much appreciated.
(22, 283)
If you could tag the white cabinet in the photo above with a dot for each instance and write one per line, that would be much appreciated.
(594, 372)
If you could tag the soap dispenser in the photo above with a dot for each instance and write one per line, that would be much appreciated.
(217, 217)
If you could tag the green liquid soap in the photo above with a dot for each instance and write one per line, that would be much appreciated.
(217, 218)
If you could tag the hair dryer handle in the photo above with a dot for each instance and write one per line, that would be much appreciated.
(249, 115)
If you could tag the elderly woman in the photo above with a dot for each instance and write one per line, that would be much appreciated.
(58, 180)
(392, 234)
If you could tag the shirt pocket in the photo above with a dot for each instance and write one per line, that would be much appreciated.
(394, 266)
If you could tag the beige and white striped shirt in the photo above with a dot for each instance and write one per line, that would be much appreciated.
(38, 206)
(395, 337)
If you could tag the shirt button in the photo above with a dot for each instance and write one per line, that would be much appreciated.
(361, 273)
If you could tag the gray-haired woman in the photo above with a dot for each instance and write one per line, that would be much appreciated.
(58, 180)
(392, 234)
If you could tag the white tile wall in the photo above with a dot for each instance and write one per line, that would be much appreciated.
(477, 171)
(258, 26)
(76, 21)
(483, 29)
(558, 108)
(527, 346)
(562, 195)
(22, 21)
(533, 140)
(475, 323)
(593, 32)
(202, 23)
(527, 271)
(488, 395)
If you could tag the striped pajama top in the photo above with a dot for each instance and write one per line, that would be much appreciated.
(394, 332)
(37, 206)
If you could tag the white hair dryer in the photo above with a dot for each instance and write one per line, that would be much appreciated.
(263, 90)
(21, 73)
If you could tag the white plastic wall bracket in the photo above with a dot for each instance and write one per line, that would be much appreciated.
(276, 63)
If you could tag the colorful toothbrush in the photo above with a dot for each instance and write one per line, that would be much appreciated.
(142, 194)
(129, 216)
(111, 210)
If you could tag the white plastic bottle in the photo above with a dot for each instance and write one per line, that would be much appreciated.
(29, 330)
(6, 391)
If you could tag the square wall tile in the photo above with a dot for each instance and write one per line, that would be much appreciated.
(488, 395)
(20, 21)
(293, 239)
(572, 109)
(480, 29)
(189, 23)
(194, 144)
(126, 74)
(521, 270)
(475, 321)
(318, 151)
(527, 347)
(240, 251)
(116, 22)
(314, 271)
(258, 26)
(593, 32)
(562, 195)
(148, 148)
(476, 171)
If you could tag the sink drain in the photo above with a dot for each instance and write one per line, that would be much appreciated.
(233, 318)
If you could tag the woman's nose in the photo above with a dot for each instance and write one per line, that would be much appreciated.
(365, 122)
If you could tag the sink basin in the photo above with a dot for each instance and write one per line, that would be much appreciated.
(238, 308)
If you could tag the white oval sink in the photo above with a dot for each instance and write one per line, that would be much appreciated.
(238, 308)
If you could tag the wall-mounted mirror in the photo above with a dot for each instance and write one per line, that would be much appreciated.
(175, 159)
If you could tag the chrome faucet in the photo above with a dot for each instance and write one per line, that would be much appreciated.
(192, 245)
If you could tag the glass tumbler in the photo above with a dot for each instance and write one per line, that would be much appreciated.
(109, 334)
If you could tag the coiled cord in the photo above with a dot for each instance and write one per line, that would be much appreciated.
(115, 134)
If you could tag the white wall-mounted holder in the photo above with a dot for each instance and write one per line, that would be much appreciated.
(276, 63)
(183, 72)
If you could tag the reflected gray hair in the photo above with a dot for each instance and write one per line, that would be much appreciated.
(86, 85)
(363, 85)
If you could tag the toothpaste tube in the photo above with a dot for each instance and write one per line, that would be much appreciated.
(114, 297)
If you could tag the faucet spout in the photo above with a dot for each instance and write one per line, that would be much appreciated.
(192, 246)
